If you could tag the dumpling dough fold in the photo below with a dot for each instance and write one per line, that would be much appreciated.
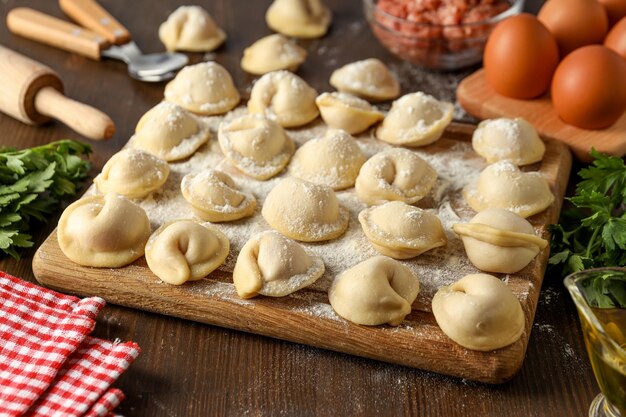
(256, 145)
(107, 231)
(376, 291)
(333, 160)
(512, 139)
(185, 250)
(214, 197)
(205, 88)
(305, 211)
(191, 28)
(298, 18)
(401, 231)
(285, 98)
(272, 53)
(273, 265)
(497, 240)
(394, 175)
(347, 112)
(503, 185)
(169, 132)
(479, 312)
(415, 119)
(132, 173)
(369, 79)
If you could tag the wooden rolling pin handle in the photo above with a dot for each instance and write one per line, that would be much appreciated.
(93, 16)
(84, 119)
(49, 30)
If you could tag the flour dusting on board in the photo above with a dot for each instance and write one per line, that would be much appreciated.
(456, 166)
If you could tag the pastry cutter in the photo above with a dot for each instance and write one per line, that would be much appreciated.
(101, 35)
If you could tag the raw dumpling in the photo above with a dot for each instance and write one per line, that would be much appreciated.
(298, 18)
(214, 197)
(285, 98)
(376, 291)
(191, 28)
(272, 265)
(132, 173)
(497, 240)
(107, 231)
(401, 231)
(333, 160)
(395, 175)
(205, 88)
(169, 132)
(257, 146)
(305, 211)
(185, 250)
(479, 312)
(272, 53)
(369, 79)
(503, 185)
(415, 119)
(347, 112)
(512, 139)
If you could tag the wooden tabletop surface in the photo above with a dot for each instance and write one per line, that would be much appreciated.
(190, 369)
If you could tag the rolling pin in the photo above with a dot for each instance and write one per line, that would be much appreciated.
(33, 93)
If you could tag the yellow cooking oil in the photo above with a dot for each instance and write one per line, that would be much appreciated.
(609, 366)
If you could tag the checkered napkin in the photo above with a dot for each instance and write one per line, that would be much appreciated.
(49, 366)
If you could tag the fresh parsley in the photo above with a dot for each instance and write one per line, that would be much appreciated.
(33, 182)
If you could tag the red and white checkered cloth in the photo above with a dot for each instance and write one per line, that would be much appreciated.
(48, 364)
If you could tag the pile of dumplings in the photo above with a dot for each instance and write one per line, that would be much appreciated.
(110, 229)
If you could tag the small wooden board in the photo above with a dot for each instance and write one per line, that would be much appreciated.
(478, 98)
(306, 316)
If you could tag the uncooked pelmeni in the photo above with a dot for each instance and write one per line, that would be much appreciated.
(512, 139)
(376, 291)
(169, 132)
(479, 312)
(205, 88)
(285, 98)
(272, 53)
(186, 250)
(503, 185)
(298, 18)
(214, 197)
(497, 240)
(347, 112)
(401, 231)
(394, 175)
(333, 160)
(107, 231)
(133, 173)
(256, 145)
(273, 265)
(415, 119)
(191, 28)
(369, 79)
(305, 211)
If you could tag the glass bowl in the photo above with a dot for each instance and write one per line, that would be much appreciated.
(439, 47)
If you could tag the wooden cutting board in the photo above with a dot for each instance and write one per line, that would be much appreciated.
(306, 316)
(478, 98)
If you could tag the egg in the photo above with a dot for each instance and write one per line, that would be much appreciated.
(616, 39)
(575, 23)
(520, 57)
(615, 9)
(589, 87)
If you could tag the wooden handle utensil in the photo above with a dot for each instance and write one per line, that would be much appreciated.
(33, 93)
(93, 16)
(49, 30)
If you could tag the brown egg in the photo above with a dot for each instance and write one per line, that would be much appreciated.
(589, 87)
(520, 57)
(575, 23)
(616, 39)
(615, 9)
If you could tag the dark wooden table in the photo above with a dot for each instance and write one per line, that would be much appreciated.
(190, 369)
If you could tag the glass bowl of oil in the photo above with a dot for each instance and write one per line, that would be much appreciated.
(600, 297)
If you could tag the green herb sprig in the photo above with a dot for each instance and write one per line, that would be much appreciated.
(33, 182)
